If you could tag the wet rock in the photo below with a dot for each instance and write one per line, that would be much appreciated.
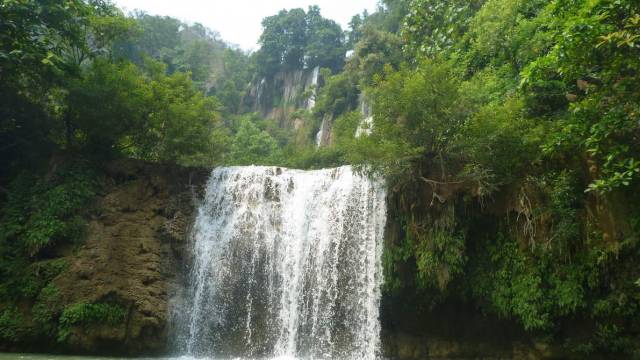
(127, 260)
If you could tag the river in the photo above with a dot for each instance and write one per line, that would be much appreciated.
(10, 356)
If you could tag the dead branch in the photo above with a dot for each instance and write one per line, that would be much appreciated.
(435, 183)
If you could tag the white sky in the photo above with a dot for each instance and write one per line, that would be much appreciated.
(239, 21)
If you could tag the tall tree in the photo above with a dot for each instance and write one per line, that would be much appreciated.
(295, 39)
(325, 41)
(43, 44)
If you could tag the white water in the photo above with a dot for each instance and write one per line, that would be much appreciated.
(287, 264)
(315, 75)
(324, 133)
(366, 124)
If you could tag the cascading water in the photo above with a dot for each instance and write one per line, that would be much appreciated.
(313, 85)
(287, 263)
(323, 135)
(366, 124)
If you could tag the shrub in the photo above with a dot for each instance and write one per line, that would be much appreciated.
(83, 314)
(11, 325)
(46, 310)
(41, 212)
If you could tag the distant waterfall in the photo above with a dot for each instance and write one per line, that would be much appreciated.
(313, 85)
(287, 263)
(365, 126)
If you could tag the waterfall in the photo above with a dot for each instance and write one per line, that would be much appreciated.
(286, 263)
(313, 86)
(366, 124)
(323, 136)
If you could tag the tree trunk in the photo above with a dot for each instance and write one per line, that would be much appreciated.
(68, 133)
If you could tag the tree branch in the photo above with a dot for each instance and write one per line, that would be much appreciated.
(434, 182)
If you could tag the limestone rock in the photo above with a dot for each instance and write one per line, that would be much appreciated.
(131, 256)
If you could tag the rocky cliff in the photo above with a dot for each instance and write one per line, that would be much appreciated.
(279, 96)
(114, 296)
(131, 259)
(110, 292)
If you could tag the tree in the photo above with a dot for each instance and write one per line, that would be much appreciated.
(44, 44)
(294, 39)
(119, 109)
(434, 26)
(251, 146)
(595, 62)
(156, 36)
(182, 47)
(355, 29)
(374, 50)
(325, 42)
(416, 113)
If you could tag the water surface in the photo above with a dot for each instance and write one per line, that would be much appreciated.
(11, 356)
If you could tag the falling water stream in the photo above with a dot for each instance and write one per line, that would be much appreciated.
(286, 264)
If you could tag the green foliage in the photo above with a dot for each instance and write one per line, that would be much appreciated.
(282, 42)
(422, 106)
(217, 68)
(156, 36)
(345, 127)
(439, 257)
(507, 130)
(231, 84)
(498, 137)
(432, 248)
(520, 108)
(563, 274)
(529, 287)
(85, 314)
(149, 115)
(40, 213)
(50, 36)
(25, 281)
(433, 26)
(338, 95)
(394, 257)
(517, 288)
(594, 56)
(416, 113)
(563, 194)
(11, 326)
(325, 42)
(46, 310)
(294, 39)
(42, 45)
(389, 15)
(251, 145)
(312, 158)
(507, 31)
(188, 48)
(375, 50)
(68, 84)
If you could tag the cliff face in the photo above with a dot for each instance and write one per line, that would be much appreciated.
(280, 96)
(414, 326)
(135, 257)
(132, 257)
